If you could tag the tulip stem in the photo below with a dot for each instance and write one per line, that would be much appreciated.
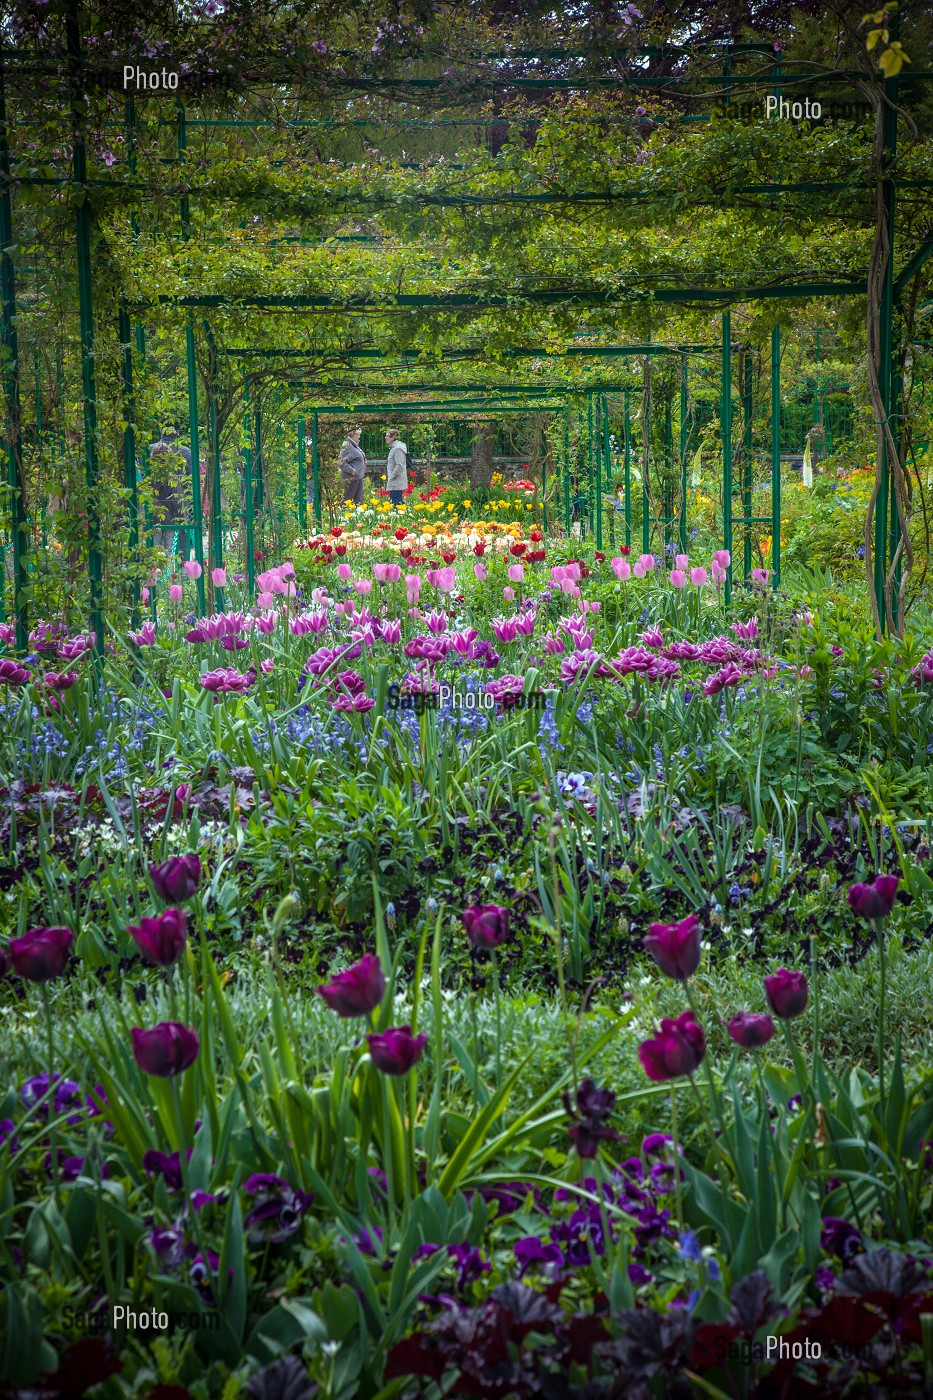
(882, 974)
(50, 1046)
(495, 975)
(677, 1195)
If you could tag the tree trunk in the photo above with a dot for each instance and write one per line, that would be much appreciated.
(481, 456)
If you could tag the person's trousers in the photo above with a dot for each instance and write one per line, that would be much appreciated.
(353, 489)
(396, 497)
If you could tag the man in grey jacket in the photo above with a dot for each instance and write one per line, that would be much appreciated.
(353, 467)
(397, 467)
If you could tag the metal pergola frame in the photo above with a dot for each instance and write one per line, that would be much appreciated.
(886, 531)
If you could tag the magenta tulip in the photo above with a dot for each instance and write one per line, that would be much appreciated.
(166, 1050)
(875, 898)
(41, 954)
(358, 991)
(751, 1029)
(396, 1050)
(676, 947)
(487, 925)
(677, 1049)
(787, 993)
(176, 879)
(161, 939)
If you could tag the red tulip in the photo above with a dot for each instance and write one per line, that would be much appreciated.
(396, 1050)
(357, 991)
(487, 925)
(677, 1049)
(751, 1029)
(165, 1050)
(161, 939)
(787, 993)
(176, 879)
(875, 898)
(676, 947)
(41, 953)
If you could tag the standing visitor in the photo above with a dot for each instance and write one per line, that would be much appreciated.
(170, 473)
(353, 467)
(397, 467)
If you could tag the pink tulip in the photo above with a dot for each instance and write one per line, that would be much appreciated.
(678, 578)
(287, 570)
(145, 595)
(698, 577)
(343, 571)
(379, 572)
(480, 570)
(681, 561)
(266, 623)
(508, 594)
(719, 573)
(516, 573)
(276, 585)
(647, 561)
(622, 569)
(638, 569)
(572, 570)
(414, 612)
(265, 600)
(363, 585)
(176, 592)
(723, 558)
(319, 595)
(192, 568)
(266, 665)
(393, 573)
(761, 575)
(219, 577)
(413, 583)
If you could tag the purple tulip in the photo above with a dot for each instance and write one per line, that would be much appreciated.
(677, 1049)
(12, 673)
(676, 947)
(487, 925)
(165, 1050)
(166, 1165)
(592, 1108)
(751, 1029)
(396, 1050)
(358, 991)
(787, 993)
(41, 953)
(176, 879)
(875, 898)
(161, 939)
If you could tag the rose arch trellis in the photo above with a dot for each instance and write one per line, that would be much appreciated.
(591, 400)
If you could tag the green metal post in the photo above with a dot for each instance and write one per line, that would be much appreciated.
(683, 455)
(15, 481)
(315, 471)
(667, 498)
(886, 334)
(567, 472)
(86, 320)
(607, 448)
(646, 454)
(747, 460)
(776, 457)
(213, 453)
(544, 483)
(628, 473)
(248, 496)
(197, 486)
(302, 482)
(725, 431)
(129, 452)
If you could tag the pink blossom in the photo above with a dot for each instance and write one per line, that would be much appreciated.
(192, 568)
(319, 595)
(392, 631)
(480, 571)
(344, 571)
(176, 592)
(723, 558)
(413, 583)
(678, 578)
(145, 595)
(681, 561)
(437, 621)
(508, 594)
(287, 570)
(638, 569)
(464, 642)
(698, 577)
(267, 664)
(516, 573)
(379, 572)
(363, 586)
(504, 629)
(647, 561)
(554, 646)
(719, 573)
(728, 675)
(748, 631)
(525, 624)
(266, 623)
(653, 638)
(622, 569)
(219, 577)
(265, 599)
(572, 570)
(145, 637)
(761, 575)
